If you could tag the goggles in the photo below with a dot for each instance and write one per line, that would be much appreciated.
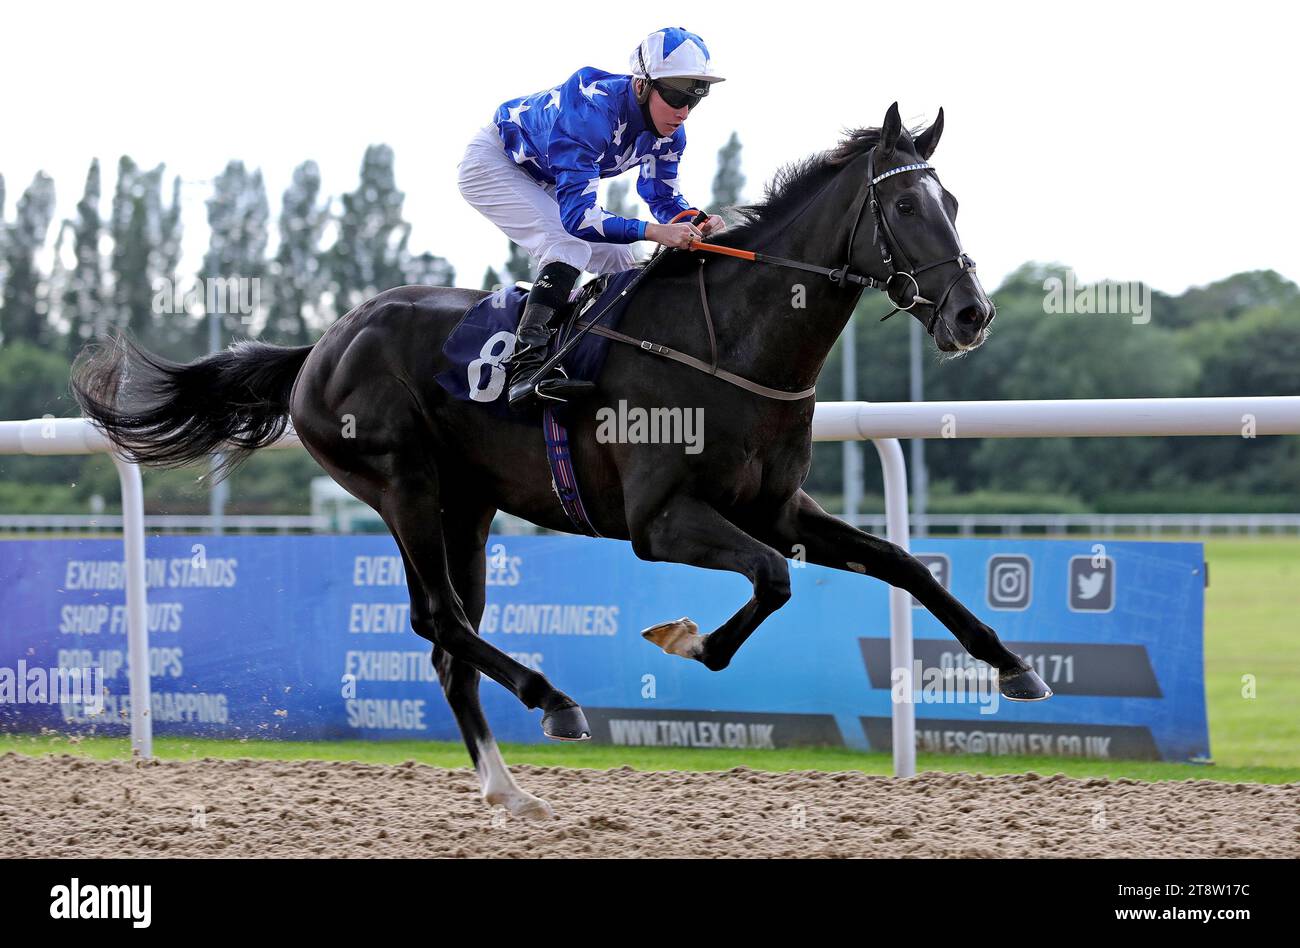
(686, 96)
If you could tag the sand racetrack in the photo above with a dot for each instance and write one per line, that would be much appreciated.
(74, 806)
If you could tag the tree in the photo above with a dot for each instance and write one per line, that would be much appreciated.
(296, 283)
(1225, 299)
(145, 244)
(1258, 353)
(34, 381)
(370, 252)
(4, 241)
(427, 269)
(1035, 353)
(84, 304)
(24, 309)
(170, 233)
(728, 181)
(491, 280)
(519, 266)
(173, 327)
(236, 257)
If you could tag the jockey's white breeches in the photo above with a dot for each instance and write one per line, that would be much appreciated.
(527, 211)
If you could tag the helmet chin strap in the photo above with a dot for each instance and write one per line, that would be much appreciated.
(645, 117)
(643, 100)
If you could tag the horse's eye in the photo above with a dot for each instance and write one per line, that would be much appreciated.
(905, 207)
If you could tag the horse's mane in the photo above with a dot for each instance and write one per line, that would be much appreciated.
(790, 188)
(793, 185)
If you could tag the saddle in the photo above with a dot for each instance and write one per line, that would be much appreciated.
(479, 345)
(557, 385)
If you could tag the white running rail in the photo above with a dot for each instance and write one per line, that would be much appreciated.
(883, 423)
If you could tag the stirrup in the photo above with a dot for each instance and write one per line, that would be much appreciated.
(563, 388)
(527, 387)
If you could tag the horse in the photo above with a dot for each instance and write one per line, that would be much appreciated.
(364, 402)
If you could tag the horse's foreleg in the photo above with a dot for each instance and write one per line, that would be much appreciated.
(686, 530)
(828, 541)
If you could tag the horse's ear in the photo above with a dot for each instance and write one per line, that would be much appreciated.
(890, 130)
(927, 140)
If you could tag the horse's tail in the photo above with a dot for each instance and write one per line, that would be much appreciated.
(165, 414)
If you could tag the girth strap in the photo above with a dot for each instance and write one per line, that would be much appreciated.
(564, 479)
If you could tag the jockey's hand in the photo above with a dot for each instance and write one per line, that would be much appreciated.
(680, 235)
(714, 225)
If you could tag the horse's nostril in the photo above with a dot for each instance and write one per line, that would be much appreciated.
(971, 316)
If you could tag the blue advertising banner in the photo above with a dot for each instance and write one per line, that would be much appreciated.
(308, 637)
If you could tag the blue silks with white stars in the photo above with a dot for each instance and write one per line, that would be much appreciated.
(587, 128)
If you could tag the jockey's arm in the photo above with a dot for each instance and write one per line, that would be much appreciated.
(658, 186)
(657, 180)
(575, 145)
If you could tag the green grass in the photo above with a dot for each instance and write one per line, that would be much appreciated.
(1252, 627)
(605, 757)
(1252, 621)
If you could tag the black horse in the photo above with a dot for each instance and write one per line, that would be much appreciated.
(365, 403)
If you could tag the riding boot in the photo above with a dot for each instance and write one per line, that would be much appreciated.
(531, 340)
(549, 293)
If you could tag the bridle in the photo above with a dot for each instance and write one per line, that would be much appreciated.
(894, 285)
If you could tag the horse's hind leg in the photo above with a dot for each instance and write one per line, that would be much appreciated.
(412, 509)
(466, 534)
(828, 541)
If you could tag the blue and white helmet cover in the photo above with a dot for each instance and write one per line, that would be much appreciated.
(673, 52)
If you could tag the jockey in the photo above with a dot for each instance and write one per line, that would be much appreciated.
(534, 172)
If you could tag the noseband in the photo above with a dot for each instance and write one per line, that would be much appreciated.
(895, 284)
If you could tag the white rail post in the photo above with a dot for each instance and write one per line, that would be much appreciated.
(50, 435)
(894, 469)
(137, 612)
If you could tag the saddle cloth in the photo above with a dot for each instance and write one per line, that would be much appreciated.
(485, 337)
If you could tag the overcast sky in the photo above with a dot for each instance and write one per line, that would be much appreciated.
(1128, 140)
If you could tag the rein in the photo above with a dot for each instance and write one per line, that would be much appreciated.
(893, 286)
(668, 352)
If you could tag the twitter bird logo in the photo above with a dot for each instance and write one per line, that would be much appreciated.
(1092, 584)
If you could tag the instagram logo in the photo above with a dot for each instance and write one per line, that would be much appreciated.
(1010, 584)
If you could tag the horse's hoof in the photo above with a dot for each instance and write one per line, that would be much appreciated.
(523, 806)
(534, 809)
(566, 724)
(679, 637)
(1023, 686)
